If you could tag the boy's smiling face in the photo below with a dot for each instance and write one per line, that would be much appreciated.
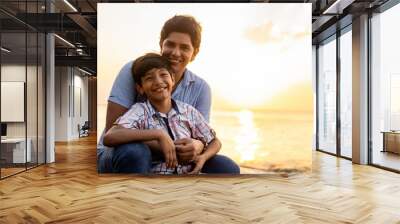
(156, 84)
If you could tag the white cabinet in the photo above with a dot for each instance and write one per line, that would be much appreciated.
(16, 147)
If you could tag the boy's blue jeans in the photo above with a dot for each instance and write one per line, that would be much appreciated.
(137, 158)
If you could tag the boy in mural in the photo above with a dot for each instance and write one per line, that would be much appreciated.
(162, 119)
(179, 42)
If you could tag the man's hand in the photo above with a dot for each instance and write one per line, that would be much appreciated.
(188, 149)
(168, 149)
(199, 163)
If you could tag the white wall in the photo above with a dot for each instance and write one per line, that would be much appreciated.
(61, 103)
(71, 94)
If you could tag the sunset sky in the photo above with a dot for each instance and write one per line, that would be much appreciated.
(250, 53)
(256, 59)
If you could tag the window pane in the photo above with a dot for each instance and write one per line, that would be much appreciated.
(41, 98)
(327, 97)
(31, 96)
(345, 94)
(14, 153)
(386, 89)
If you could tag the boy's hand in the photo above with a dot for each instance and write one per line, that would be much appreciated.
(188, 149)
(168, 149)
(199, 161)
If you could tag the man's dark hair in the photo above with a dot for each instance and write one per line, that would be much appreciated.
(183, 24)
(145, 63)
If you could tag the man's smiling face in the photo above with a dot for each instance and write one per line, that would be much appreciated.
(178, 48)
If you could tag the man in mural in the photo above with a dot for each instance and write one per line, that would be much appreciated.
(180, 42)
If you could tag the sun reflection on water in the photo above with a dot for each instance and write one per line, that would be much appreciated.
(247, 139)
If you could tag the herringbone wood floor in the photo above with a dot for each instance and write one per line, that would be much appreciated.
(71, 191)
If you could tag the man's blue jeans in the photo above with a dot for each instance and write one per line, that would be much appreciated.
(137, 158)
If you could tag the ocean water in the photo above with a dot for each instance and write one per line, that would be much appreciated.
(261, 141)
(268, 141)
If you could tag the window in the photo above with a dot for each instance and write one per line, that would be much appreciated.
(385, 89)
(327, 96)
(23, 77)
(346, 93)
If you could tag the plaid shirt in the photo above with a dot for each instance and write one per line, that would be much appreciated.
(182, 121)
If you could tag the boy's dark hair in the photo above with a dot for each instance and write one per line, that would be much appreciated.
(183, 24)
(145, 63)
